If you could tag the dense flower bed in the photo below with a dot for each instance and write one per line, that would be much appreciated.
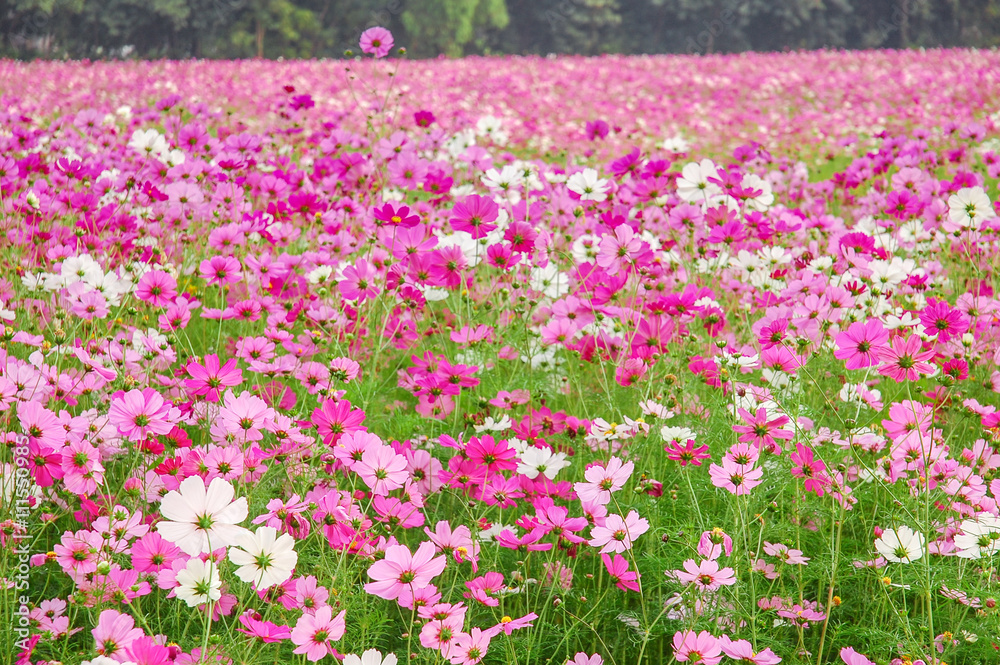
(527, 360)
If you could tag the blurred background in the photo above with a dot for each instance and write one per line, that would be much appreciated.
(117, 29)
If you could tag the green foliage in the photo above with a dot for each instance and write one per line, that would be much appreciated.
(447, 26)
(428, 28)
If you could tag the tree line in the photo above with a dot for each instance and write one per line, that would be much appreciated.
(427, 28)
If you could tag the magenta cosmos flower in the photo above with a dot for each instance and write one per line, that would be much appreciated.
(211, 379)
(475, 215)
(157, 288)
(860, 345)
(402, 570)
(376, 41)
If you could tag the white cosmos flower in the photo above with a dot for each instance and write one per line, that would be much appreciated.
(978, 538)
(370, 657)
(199, 582)
(508, 177)
(693, 185)
(266, 558)
(969, 207)
(201, 519)
(543, 461)
(669, 433)
(675, 144)
(588, 185)
(763, 200)
(902, 545)
(149, 142)
(492, 425)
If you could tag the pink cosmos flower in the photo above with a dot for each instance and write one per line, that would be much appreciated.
(852, 657)
(686, 454)
(382, 469)
(735, 478)
(581, 658)
(359, 281)
(706, 575)
(713, 543)
(265, 631)
(762, 432)
(861, 344)
(157, 288)
(742, 650)
(115, 632)
(624, 579)
(508, 625)
(602, 481)
(618, 252)
(210, 379)
(220, 270)
(76, 553)
(245, 416)
(782, 551)
(483, 589)
(344, 370)
(470, 648)
(314, 632)
(396, 217)
(939, 318)
(141, 413)
(90, 305)
(40, 424)
(702, 648)
(617, 534)
(152, 553)
(474, 215)
(334, 418)
(809, 468)
(81, 467)
(146, 651)
(905, 359)
(401, 569)
(376, 41)
(440, 635)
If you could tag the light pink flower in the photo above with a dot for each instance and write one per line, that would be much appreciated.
(706, 575)
(314, 632)
(702, 648)
(382, 469)
(602, 481)
(400, 570)
(617, 534)
(376, 41)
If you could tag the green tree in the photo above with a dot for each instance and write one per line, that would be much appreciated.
(583, 26)
(448, 26)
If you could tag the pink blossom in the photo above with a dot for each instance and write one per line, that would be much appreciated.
(400, 569)
(314, 632)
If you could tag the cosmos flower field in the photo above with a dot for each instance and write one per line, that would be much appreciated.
(525, 360)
